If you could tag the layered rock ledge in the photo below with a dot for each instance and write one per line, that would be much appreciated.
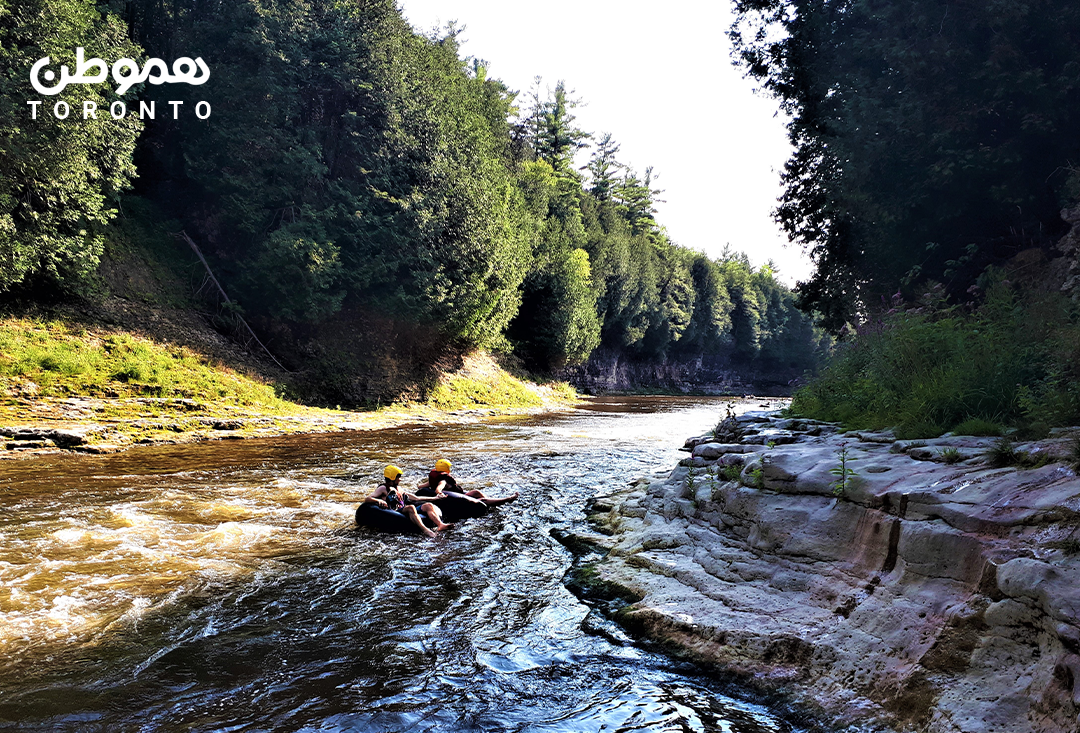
(934, 593)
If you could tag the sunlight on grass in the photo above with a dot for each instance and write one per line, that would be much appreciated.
(66, 360)
(501, 390)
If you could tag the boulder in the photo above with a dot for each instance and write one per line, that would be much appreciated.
(712, 451)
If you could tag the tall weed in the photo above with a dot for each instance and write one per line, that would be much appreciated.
(932, 367)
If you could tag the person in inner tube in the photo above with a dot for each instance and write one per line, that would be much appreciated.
(440, 483)
(388, 496)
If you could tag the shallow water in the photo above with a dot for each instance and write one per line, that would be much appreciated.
(224, 587)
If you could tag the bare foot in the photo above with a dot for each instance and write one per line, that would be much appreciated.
(444, 527)
(429, 533)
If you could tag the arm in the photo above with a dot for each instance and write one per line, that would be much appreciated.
(421, 499)
(376, 497)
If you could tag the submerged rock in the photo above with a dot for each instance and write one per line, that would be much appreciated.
(912, 595)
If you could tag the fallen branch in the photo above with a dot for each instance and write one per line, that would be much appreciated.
(224, 296)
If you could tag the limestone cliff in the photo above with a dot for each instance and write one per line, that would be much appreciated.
(607, 371)
(930, 596)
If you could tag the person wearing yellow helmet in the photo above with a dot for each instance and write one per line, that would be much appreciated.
(388, 497)
(440, 482)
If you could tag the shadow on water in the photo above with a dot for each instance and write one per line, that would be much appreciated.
(222, 587)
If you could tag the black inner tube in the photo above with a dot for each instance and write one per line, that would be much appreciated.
(454, 507)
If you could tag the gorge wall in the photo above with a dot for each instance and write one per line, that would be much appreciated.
(930, 596)
(608, 371)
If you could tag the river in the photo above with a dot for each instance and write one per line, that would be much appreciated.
(224, 587)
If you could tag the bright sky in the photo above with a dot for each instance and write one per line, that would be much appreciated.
(659, 79)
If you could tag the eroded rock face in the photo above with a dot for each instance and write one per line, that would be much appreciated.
(926, 597)
(1069, 245)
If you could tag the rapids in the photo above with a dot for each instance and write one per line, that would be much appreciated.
(224, 587)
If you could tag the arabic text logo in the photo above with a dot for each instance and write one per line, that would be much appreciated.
(184, 70)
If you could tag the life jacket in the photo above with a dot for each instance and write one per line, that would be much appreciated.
(436, 476)
(394, 500)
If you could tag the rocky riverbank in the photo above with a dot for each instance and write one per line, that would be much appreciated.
(925, 591)
(76, 425)
(34, 425)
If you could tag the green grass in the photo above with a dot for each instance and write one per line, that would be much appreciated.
(68, 360)
(951, 455)
(1003, 454)
(563, 391)
(979, 428)
(501, 390)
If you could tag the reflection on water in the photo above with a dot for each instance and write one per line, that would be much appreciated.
(224, 587)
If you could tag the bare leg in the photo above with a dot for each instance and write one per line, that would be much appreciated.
(477, 494)
(435, 515)
(410, 512)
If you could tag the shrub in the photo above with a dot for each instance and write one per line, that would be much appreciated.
(1003, 453)
(1012, 361)
(951, 455)
(979, 428)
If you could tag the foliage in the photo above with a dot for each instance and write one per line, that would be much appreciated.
(690, 483)
(60, 178)
(356, 172)
(951, 455)
(929, 367)
(350, 162)
(731, 473)
(1003, 454)
(931, 139)
(557, 323)
(756, 478)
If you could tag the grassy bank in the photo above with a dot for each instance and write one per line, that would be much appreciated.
(482, 382)
(126, 388)
(57, 359)
(1010, 362)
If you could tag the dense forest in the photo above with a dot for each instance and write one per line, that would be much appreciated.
(374, 203)
(932, 138)
(935, 150)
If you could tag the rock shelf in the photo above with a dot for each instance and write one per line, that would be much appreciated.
(927, 596)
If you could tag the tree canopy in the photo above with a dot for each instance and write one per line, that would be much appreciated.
(354, 169)
(59, 178)
(932, 138)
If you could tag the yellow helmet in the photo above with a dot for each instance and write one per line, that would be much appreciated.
(442, 465)
(392, 472)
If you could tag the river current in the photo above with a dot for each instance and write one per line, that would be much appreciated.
(224, 587)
